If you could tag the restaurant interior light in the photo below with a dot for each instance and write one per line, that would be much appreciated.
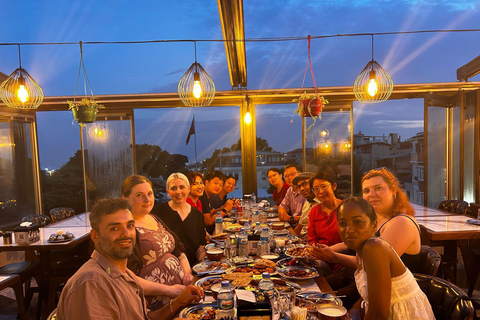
(373, 84)
(20, 90)
(196, 87)
(248, 117)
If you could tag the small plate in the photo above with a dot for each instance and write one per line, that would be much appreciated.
(200, 270)
(60, 241)
(283, 232)
(198, 308)
(311, 273)
(474, 221)
(231, 270)
(242, 260)
(233, 229)
(319, 297)
(202, 280)
(287, 262)
(289, 254)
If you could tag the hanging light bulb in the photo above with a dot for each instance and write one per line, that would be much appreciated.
(248, 117)
(20, 90)
(197, 88)
(372, 84)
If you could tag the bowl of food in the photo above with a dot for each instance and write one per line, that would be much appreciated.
(215, 253)
(278, 225)
(330, 311)
(215, 288)
(243, 221)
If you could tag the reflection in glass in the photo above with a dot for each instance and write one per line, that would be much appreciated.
(455, 154)
(469, 149)
(437, 151)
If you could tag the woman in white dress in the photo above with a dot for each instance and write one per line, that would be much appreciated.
(387, 287)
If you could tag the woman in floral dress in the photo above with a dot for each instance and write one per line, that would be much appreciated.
(159, 255)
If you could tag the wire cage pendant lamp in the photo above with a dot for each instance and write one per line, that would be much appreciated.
(20, 90)
(196, 87)
(373, 84)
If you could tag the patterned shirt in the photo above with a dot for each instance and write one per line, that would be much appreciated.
(293, 202)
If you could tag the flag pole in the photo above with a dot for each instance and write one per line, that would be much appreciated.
(195, 141)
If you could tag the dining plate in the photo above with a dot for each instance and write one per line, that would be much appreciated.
(277, 282)
(257, 272)
(319, 297)
(293, 262)
(207, 282)
(233, 228)
(474, 221)
(211, 267)
(60, 241)
(299, 252)
(201, 311)
(242, 260)
(298, 273)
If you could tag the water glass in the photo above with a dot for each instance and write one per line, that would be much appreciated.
(263, 247)
(230, 250)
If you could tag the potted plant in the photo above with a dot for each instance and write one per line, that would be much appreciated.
(310, 105)
(84, 111)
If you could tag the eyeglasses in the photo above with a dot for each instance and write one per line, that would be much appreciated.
(291, 174)
(322, 187)
(303, 184)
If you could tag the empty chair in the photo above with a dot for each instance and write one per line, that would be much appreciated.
(443, 205)
(447, 300)
(461, 207)
(61, 213)
(40, 220)
(14, 282)
(451, 205)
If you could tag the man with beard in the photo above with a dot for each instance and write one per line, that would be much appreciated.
(302, 183)
(103, 288)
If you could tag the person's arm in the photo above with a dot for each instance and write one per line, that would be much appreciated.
(283, 214)
(191, 294)
(188, 277)
(200, 253)
(326, 253)
(223, 210)
(298, 229)
(376, 263)
(401, 233)
(151, 288)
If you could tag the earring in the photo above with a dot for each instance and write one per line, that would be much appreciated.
(395, 196)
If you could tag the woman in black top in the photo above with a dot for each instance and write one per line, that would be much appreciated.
(184, 220)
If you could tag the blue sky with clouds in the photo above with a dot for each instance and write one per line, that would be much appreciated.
(138, 68)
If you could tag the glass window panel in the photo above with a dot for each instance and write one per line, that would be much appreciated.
(17, 197)
(437, 151)
(455, 154)
(108, 157)
(161, 149)
(469, 149)
(328, 148)
(60, 158)
(279, 141)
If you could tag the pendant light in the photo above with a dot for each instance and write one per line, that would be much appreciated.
(373, 84)
(196, 88)
(19, 90)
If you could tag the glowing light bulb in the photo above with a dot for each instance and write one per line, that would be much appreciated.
(323, 133)
(197, 89)
(22, 94)
(247, 118)
(326, 146)
(372, 87)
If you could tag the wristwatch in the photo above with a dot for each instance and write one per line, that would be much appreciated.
(224, 210)
(292, 219)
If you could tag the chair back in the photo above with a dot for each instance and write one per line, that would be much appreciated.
(451, 205)
(461, 207)
(33, 218)
(443, 205)
(61, 213)
(447, 300)
(427, 261)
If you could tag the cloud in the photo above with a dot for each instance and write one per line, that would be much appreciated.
(406, 124)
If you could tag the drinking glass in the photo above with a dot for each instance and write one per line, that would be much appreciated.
(230, 250)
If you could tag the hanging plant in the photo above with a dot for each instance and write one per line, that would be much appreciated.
(310, 105)
(84, 111)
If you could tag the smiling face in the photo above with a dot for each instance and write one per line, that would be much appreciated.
(213, 186)
(354, 226)
(323, 190)
(376, 191)
(304, 187)
(290, 173)
(178, 191)
(141, 199)
(229, 185)
(274, 178)
(197, 188)
(115, 238)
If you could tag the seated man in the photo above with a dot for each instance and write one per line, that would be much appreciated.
(301, 183)
(291, 207)
(220, 199)
(214, 181)
(103, 288)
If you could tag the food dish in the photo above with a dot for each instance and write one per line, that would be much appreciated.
(289, 262)
(207, 282)
(317, 297)
(257, 268)
(60, 241)
(61, 236)
(211, 267)
(202, 311)
(298, 273)
(299, 251)
(279, 284)
(242, 260)
(233, 228)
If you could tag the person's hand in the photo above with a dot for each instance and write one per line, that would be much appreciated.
(187, 279)
(228, 205)
(283, 216)
(323, 252)
(191, 294)
(174, 290)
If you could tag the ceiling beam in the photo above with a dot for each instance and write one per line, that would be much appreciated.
(231, 17)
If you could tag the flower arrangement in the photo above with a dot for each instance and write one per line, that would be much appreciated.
(84, 111)
(310, 105)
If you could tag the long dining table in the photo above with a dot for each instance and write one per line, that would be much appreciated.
(452, 230)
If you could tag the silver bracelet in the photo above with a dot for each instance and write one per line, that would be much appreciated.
(171, 308)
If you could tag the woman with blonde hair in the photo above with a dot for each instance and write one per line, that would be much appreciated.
(158, 254)
(187, 222)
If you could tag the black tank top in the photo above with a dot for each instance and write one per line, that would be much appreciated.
(411, 261)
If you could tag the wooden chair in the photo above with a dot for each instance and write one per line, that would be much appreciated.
(461, 207)
(447, 300)
(14, 282)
